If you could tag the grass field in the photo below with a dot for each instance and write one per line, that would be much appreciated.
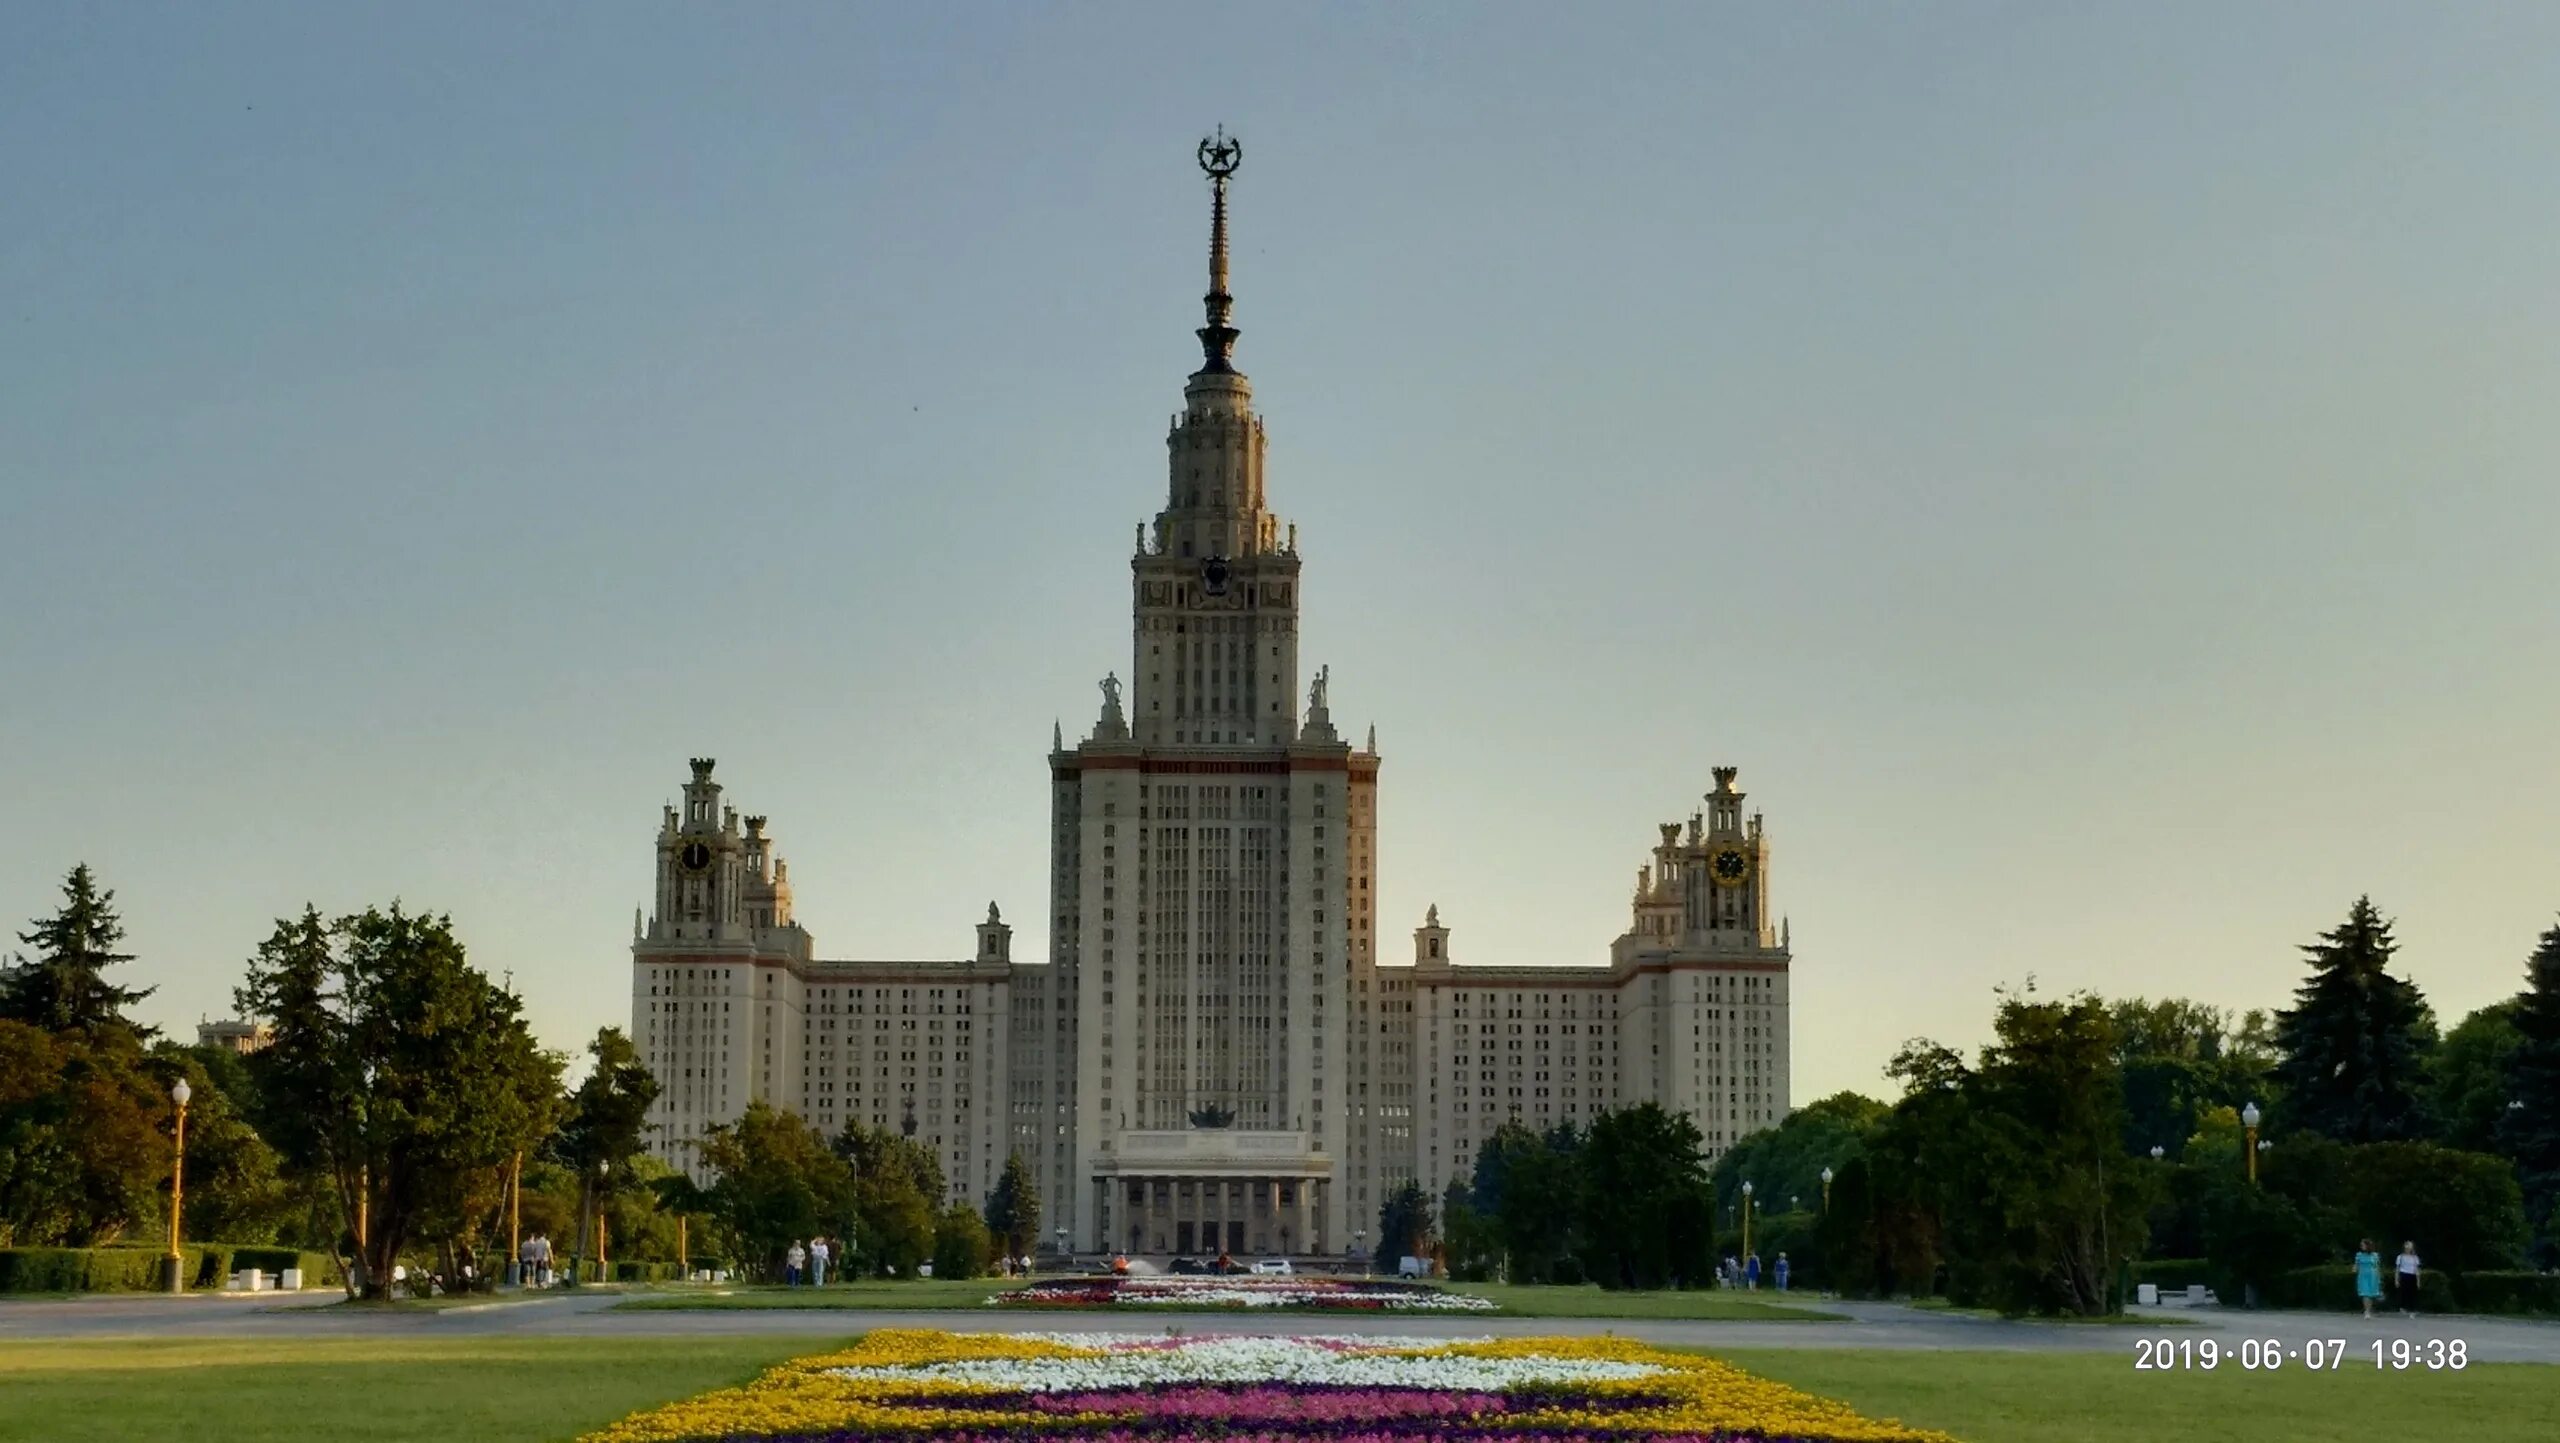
(2098, 1398)
(547, 1390)
(1521, 1301)
(351, 1390)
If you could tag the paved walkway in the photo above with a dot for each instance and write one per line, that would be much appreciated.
(1869, 1325)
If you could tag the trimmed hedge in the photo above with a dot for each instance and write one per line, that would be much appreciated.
(2333, 1286)
(140, 1269)
(2503, 1292)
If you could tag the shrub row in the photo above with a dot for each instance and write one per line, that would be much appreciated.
(2334, 1287)
(2172, 1274)
(140, 1269)
(2330, 1288)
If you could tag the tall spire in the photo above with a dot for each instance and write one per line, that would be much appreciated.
(1219, 156)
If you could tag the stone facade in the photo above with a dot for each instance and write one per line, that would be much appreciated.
(1211, 1056)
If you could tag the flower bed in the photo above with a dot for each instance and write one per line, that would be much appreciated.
(1316, 1294)
(1015, 1388)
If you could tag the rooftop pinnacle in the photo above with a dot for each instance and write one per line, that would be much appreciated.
(1219, 157)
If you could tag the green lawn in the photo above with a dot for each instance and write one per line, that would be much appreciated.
(546, 1390)
(358, 1390)
(2099, 1398)
(1521, 1301)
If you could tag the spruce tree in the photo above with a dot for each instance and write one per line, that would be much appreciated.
(2354, 1045)
(2530, 1133)
(63, 988)
(1013, 1208)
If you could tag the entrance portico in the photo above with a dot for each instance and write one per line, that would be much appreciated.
(1212, 1190)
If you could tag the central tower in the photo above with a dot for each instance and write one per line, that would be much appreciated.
(1184, 1087)
(1214, 584)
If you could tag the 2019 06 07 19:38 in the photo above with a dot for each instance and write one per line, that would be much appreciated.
(2267, 1355)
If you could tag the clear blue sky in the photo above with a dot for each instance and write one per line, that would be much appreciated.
(2092, 467)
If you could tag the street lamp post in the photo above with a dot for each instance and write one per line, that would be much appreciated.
(1360, 1245)
(1746, 1229)
(1826, 1190)
(603, 1271)
(515, 1214)
(2249, 1116)
(2158, 1152)
(179, 1092)
(1064, 1261)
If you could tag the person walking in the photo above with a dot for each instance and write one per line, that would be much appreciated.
(792, 1262)
(542, 1260)
(818, 1251)
(1782, 1272)
(524, 1262)
(1751, 1273)
(2405, 1273)
(2368, 1276)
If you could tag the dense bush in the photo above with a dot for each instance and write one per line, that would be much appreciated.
(2332, 1287)
(2502, 1292)
(961, 1245)
(2172, 1273)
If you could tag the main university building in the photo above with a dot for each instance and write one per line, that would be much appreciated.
(1213, 1054)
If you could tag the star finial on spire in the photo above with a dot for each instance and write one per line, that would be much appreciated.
(1219, 157)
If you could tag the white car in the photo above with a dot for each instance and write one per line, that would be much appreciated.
(1279, 1266)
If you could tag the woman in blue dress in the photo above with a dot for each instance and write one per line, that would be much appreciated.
(2368, 1276)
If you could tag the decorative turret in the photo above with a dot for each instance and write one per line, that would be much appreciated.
(1431, 940)
(995, 939)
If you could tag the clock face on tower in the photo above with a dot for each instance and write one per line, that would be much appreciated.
(1213, 575)
(1730, 866)
(695, 856)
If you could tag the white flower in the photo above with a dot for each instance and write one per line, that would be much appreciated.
(1128, 1361)
(1245, 1293)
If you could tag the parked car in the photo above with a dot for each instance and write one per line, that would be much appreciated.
(1186, 1265)
(1273, 1265)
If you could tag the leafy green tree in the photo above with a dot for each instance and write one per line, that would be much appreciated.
(774, 1182)
(608, 1114)
(2355, 1042)
(2026, 1165)
(607, 1129)
(2468, 1091)
(897, 1194)
(1470, 1248)
(1013, 1208)
(234, 1192)
(1528, 1186)
(1647, 1211)
(1404, 1223)
(639, 1223)
(2463, 1209)
(63, 988)
(2530, 1131)
(961, 1243)
(1786, 1161)
(399, 1071)
(2181, 1059)
(84, 1145)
